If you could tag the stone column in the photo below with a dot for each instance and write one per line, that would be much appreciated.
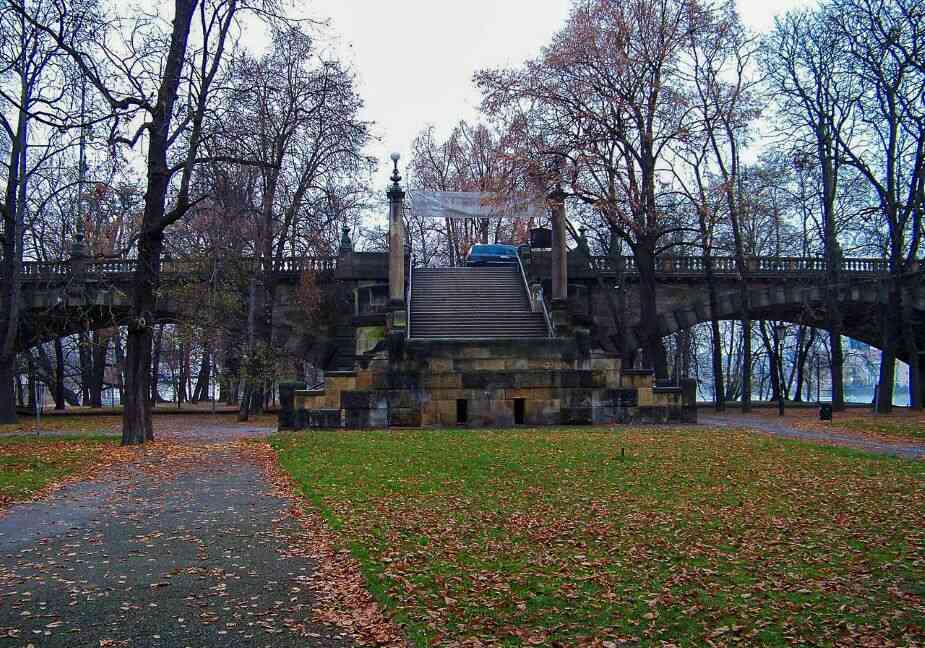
(558, 255)
(396, 241)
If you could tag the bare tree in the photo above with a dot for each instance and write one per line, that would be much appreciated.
(609, 97)
(33, 97)
(884, 59)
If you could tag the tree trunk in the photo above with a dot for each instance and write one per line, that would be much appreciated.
(32, 381)
(770, 347)
(201, 391)
(156, 366)
(716, 341)
(913, 358)
(888, 322)
(747, 364)
(837, 369)
(86, 367)
(136, 418)
(59, 374)
(653, 348)
(7, 389)
(803, 356)
(182, 372)
(120, 363)
(98, 352)
(249, 378)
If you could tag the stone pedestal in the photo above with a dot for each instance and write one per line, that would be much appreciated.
(287, 411)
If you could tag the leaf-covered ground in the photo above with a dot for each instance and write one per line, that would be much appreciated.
(31, 464)
(184, 543)
(36, 458)
(645, 535)
(900, 425)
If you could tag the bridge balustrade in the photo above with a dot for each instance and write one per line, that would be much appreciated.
(696, 265)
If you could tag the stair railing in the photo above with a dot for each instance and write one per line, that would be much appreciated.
(408, 299)
(523, 275)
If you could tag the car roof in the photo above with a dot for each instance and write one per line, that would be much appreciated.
(492, 247)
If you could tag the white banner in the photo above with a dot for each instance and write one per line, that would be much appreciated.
(474, 204)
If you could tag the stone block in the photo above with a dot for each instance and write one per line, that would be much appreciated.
(341, 382)
(367, 337)
(400, 380)
(533, 393)
(489, 364)
(364, 380)
(446, 412)
(401, 399)
(622, 397)
(300, 419)
(441, 381)
(440, 365)
(464, 364)
(357, 399)
(532, 379)
(517, 364)
(605, 364)
(542, 412)
(651, 415)
(568, 378)
(356, 419)
(598, 378)
(577, 398)
(487, 380)
(405, 417)
(603, 414)
(576, 416)
(325, 418)
(473, 351)
(430, 414)
(287, 391)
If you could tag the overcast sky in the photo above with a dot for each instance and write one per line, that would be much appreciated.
(415, 59)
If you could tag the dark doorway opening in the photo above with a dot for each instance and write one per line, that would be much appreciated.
(462, 411)
(520, 410)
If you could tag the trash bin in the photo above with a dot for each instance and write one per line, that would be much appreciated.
(825, 412)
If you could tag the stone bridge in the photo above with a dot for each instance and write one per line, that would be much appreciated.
(790, 289)
(64, 297)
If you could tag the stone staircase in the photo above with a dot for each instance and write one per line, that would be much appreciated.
(467, 303)
(344, 356)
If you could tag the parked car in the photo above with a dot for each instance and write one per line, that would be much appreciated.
(493, 254)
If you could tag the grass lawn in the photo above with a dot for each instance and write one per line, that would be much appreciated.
(30, 463)
(546, 537)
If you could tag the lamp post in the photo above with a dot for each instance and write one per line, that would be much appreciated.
(780, 330)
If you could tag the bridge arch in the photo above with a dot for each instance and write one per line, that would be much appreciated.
(798, 304)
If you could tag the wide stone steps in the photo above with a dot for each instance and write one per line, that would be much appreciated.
(466, 303)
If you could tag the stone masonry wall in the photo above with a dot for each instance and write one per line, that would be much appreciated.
(436, 382)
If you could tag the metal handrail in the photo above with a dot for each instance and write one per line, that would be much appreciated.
(408, 299)
(523, 275)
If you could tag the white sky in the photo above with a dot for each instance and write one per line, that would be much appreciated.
(415, 59)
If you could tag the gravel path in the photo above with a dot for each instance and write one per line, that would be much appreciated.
(187, 549)
(783, 429)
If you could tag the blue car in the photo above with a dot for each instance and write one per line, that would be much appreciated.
(491, 254)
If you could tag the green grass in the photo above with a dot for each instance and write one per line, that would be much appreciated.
(29, 463)
(537, 537)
